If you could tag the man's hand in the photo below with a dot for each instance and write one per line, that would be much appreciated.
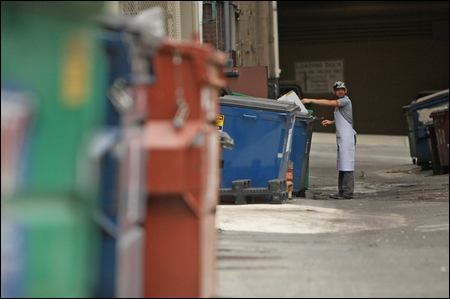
(327, 122)
(306, 101)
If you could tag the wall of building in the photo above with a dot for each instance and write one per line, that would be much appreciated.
(381, 76)
(191, 20)
(253, 40)
(255, 37)
(390, 54)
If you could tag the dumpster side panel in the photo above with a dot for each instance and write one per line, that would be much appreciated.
(411, 132)
(258, 145)
(299, 154)
(440, 121)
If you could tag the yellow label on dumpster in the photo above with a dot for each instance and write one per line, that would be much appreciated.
(76, 70)
(220, 119)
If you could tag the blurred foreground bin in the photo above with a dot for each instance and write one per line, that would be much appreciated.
(51, 50)
(129, 46)
(418, 117)
(119, 68)
(182, 172)
(262, 130)
(48, 240)
(440, 124)
(67, 75)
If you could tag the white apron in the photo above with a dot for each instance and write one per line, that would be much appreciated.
(345, 139)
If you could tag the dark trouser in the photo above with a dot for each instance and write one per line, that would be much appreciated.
(346, 182)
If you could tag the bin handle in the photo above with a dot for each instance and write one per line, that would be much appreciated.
(249, 116)
(119, 96)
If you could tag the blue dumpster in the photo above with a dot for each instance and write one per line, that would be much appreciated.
(418, 118)
(119, 68)
(262, 130)
(301, 145)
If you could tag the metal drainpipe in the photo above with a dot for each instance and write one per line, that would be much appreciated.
(275, 39)
(232, 28)
(226, 16)
(200, 20)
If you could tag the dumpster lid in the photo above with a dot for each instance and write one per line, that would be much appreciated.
(261, 103)
(431, 97)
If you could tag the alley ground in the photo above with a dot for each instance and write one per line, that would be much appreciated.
(392, 240)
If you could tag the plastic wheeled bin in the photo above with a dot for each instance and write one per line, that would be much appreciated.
(51, 50)
(418, 117)
(119, 68)
(182, 171)
(262, 130)
(121, 209)
(440, 124)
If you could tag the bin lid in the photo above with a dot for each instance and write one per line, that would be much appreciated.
(431, 97)
(406, 108)
(261, 103)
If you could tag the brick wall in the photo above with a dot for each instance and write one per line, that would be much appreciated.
(213, 27)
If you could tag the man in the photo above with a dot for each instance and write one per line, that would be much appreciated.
(345, 138)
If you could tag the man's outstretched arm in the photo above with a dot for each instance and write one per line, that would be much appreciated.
(320, 102)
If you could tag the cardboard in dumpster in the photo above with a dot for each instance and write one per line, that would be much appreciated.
(292, 97)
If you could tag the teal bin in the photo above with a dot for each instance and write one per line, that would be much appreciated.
(301, 145)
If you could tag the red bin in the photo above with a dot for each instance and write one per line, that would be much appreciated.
(182, 171)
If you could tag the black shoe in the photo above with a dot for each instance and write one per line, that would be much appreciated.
(347, 196)
(336, 196)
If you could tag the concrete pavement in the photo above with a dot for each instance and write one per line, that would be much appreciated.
(390, 241)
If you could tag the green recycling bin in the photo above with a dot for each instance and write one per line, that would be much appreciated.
(51, 50)
(53, 77)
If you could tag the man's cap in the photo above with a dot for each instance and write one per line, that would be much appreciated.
(339, 84)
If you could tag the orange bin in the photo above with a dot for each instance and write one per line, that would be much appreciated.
(182, 171)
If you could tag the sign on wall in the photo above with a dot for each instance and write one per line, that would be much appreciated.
(318, 76)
